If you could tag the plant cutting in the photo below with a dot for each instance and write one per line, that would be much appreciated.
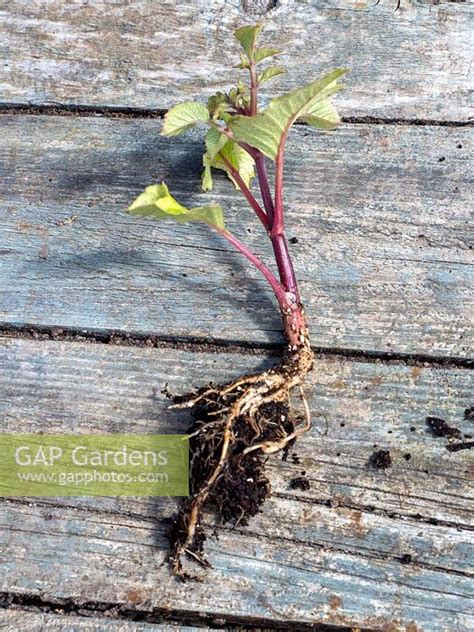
(236, 425)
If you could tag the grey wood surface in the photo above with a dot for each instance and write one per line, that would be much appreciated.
(411, 62)
(380, 210)
(22, 620)
(381, 214)
(362, 547)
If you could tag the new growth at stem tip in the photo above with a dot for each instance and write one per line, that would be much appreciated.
(239, 140)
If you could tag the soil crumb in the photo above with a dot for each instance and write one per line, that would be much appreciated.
(441, 428)
(301, 482)
(381, 459)
(460, 445)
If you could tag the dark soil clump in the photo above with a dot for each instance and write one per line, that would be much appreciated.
(381, 459)
(460, 445)
(441, 428)
(243, 486)
(301, 482)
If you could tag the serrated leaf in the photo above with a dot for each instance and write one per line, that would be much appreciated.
(264, 52)
(267, 130)
(247, 36)
(157, 203)
(184, 116)
(269, 73)
(242, 162)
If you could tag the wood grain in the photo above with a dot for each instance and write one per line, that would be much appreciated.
(21, 620)
(411, 62)
(381, 215)
(362, 547)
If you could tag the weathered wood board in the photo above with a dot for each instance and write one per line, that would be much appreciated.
(21, 620)
(381, 214)
(362, 547)
(409, 59)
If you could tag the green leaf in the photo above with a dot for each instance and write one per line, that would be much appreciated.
(215, 141)
(267, 130)
(264, 52)
(269, 73)
(247, 36)
(238, 158)
(184, 116)
(156, 202)
(323, 116)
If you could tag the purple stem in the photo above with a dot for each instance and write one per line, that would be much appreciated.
(285, 265)
(279, 243)
(264, 185)
(276, 286)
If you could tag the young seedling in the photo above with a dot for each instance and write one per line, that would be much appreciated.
(237, 424)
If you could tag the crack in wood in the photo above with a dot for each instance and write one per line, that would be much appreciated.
(214, 345)
(64, 109)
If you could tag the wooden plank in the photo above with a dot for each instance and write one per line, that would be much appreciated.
(362, 547)
(411, 61)
(20, 620)
(383, 255)
(360, 405)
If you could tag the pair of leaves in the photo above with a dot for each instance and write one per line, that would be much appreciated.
(247, 36)
(157, 203)
(267, 131)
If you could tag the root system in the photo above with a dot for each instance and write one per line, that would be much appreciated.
(236, 426)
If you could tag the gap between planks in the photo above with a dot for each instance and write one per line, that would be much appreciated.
(123, 612)
(62, 109)
(216, 345)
